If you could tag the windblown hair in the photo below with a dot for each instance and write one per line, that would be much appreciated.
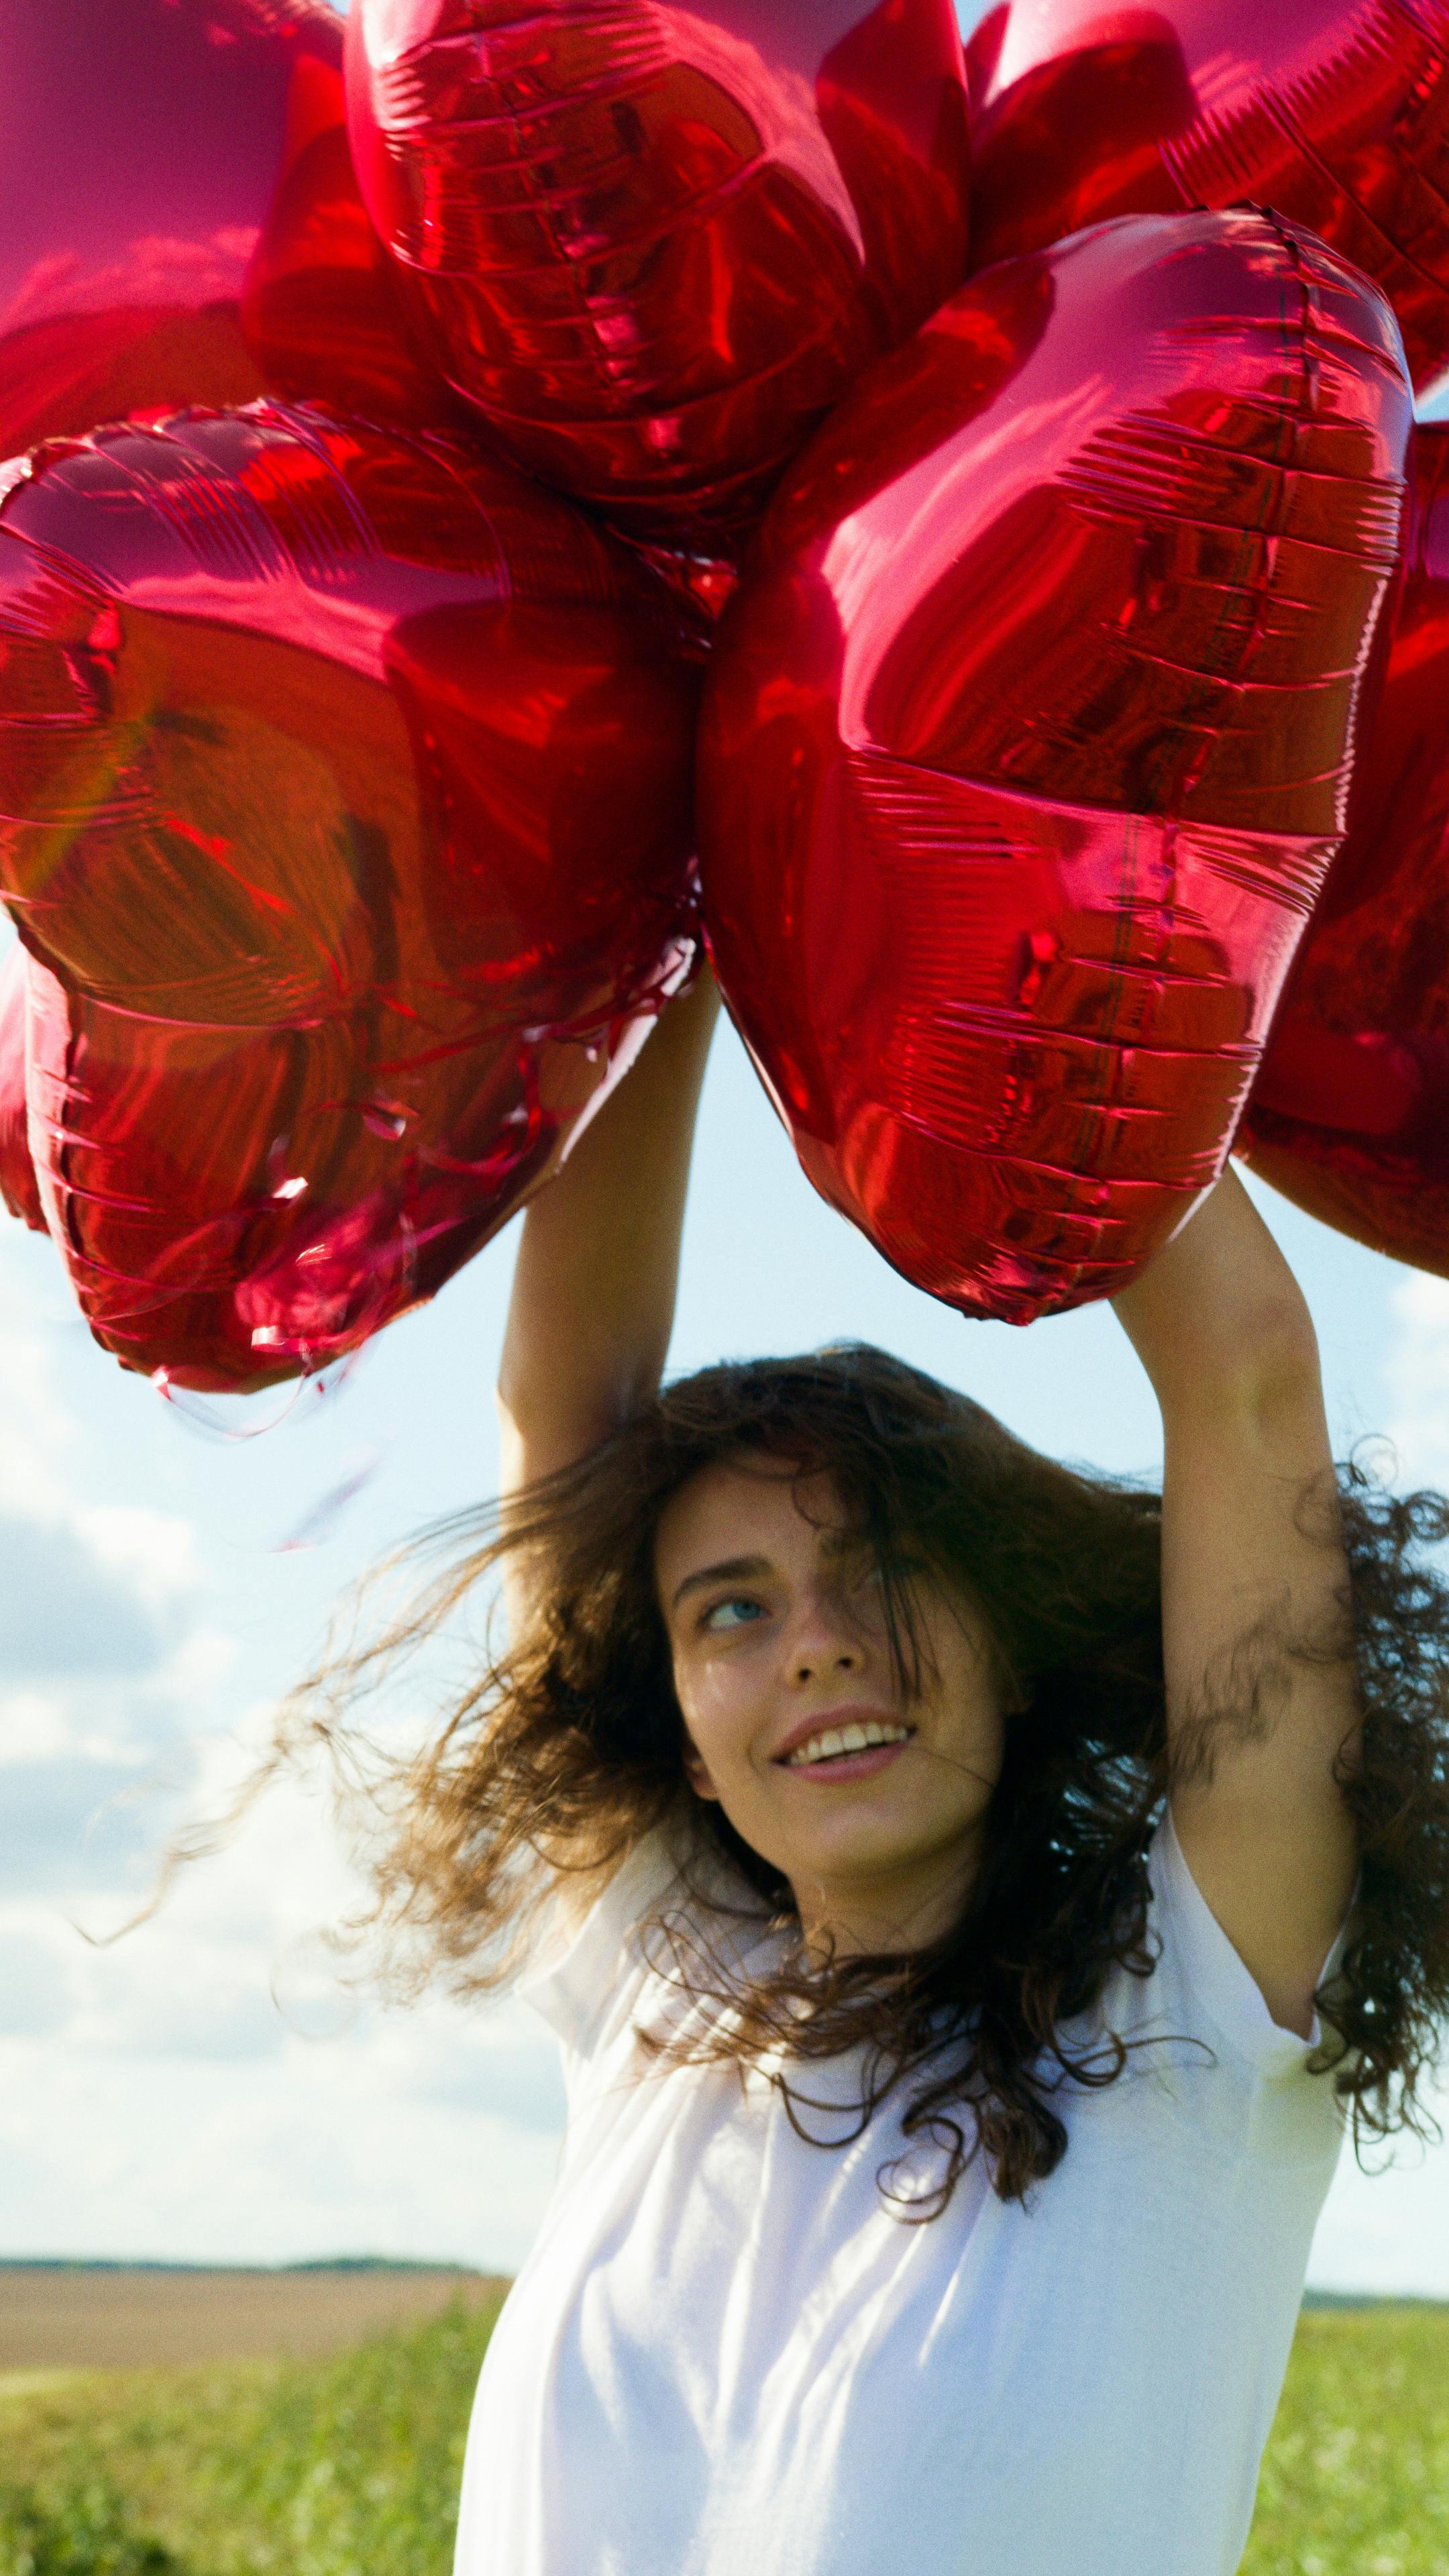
(559, 1753)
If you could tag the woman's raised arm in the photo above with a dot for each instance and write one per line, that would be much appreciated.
(598, 1262)
(1259, 1666)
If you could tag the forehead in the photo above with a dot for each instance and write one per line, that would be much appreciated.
(749, 1506)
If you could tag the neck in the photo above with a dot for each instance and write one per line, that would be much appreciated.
(888, 1910)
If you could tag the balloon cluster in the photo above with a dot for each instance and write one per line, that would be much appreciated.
(503, 494)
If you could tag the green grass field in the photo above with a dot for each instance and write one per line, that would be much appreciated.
(350, 2467)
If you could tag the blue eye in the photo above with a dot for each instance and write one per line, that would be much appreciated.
(735, 1613)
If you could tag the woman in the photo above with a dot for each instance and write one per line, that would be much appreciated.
(935, 1864)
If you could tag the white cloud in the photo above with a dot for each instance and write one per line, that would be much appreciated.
(212, 2002)
(1388, 2231)
(500, 2061)
(155, 2156)
(105, 1719)
(1416, 1378)
(96, 1771)
(68, 1830)
(65, 1611)
(208, 2085)
(35, 1973)
(100, 1588)
(154, 1551)
(101, 1644)
(38, 1432)
(35, 1726)
(201, 1661)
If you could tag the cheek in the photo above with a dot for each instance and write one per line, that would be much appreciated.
(722, 1706)
(700, 1728)
(965, 1700)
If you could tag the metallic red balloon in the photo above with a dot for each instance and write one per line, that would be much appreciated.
(1026, 747)
(18, 1187)
(652, 245)
(344, 784)
(179, 222)
(1350, 1113)
(1334, 111)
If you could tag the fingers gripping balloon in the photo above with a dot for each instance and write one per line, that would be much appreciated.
(344, 785)
(179, 221)
(1350, 1114)
(1334, 111)
(1026, 748)
(650, 244)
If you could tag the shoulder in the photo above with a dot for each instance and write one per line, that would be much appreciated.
(1201, 2041)
(588, 1940)
(672, 1915)
(1203, 1962)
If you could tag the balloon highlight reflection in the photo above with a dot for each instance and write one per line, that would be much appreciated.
(179, 221)
(1336, 112)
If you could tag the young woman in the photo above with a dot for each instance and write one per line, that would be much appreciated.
(969, 1894)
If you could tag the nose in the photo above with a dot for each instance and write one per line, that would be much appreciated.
(814, 1667)
(823, 1644)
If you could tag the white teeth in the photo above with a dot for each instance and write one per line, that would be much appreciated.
(854, 1738)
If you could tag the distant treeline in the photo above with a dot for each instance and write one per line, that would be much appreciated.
(327, 2263)
(1372, 2299)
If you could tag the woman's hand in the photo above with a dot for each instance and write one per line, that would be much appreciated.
(598, 1262)
(1252, 1567)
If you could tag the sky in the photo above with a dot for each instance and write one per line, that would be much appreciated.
(205, 2088)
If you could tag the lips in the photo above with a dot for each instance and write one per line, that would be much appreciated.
(836, 1769)
(839, 1739)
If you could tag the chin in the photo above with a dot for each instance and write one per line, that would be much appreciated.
(862, 1852)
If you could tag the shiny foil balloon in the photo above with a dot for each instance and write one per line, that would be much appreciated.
(344, 785)
(179, 222)
(1026, 748)
(1334, 111)
(1350, 1114)
(18, 1187)
(652, 245)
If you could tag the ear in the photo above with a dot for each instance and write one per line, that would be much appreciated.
(696, 1771)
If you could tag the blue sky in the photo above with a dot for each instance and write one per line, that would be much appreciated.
(203, 2088)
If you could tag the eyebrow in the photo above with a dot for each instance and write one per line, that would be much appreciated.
(731, 1569)
(747, 1569)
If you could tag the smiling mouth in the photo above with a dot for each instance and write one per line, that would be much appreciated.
(839, 1749)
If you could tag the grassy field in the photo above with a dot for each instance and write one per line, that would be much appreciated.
(349, 2467)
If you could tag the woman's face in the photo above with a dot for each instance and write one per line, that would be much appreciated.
(869, 1799)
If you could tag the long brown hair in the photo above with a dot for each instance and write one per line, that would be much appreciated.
(561, 1750)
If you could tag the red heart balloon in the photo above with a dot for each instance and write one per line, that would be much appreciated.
(1350, 1113)
(1026, 747)
(653, 245)
(18, 1186)
(179, 222)
(344, 783)
(1334, 111)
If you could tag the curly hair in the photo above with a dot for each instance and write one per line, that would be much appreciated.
(559, 1754)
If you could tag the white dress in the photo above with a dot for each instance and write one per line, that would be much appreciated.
(726, 2357)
